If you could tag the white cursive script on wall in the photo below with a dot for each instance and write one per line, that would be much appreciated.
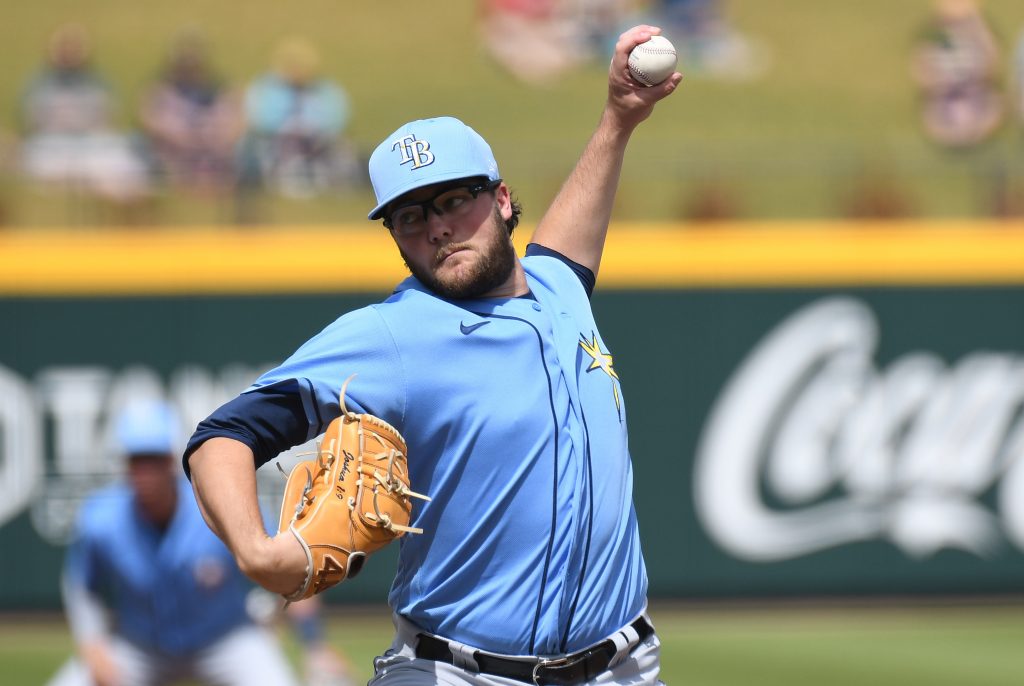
(810, 445)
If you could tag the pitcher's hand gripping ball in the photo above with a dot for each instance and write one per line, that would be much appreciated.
(652, 62)
(352, 500)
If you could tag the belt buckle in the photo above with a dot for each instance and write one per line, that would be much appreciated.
(559, 663)
(543, 663)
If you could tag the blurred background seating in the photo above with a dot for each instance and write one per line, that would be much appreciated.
(296, 119)
(193, 120)
(70, 140)
(782, 109)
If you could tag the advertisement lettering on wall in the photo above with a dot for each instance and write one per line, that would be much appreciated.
(811, 445)
(804, 446)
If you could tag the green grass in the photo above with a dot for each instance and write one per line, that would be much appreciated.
(835, 105)
(877, 646)
(708, 646)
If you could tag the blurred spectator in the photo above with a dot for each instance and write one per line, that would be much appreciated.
(706, 40)
(70, 139)
(537, 41)
(602, 21)
(152, 596)
(192, 120)
(955, 64)
(295, 121)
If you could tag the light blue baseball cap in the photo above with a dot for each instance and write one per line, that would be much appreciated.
(147, 427)
(425, 152)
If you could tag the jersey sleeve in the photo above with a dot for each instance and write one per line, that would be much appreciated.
(295, 401)
(83, 561)
(358, 344)
(585, 274)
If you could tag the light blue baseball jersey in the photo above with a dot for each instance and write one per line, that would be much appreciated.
(515, 422)
(175, 591)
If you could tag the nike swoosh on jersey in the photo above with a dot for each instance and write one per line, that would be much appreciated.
(470, 328)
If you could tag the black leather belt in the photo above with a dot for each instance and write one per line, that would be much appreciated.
(576, 668)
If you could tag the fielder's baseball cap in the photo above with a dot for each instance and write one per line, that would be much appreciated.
(147, 427)
(425, 152)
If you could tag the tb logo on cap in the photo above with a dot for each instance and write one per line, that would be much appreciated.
(414, 150)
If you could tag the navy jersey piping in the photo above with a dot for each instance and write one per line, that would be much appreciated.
(590, 530)
(554, 474)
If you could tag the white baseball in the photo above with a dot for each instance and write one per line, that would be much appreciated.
(652, 62)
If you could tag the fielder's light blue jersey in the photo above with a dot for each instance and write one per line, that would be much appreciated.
(175, 591)
(515, 422)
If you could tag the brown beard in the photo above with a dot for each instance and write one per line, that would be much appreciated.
(497, 261)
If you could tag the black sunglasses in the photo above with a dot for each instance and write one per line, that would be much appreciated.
(451, 198)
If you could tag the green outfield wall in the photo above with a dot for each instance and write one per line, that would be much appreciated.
(813, 409)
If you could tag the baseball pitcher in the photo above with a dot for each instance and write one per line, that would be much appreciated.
(476, 414)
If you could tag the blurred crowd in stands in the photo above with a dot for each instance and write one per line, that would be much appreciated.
(538, 41)
(284, 132)
(968, 88)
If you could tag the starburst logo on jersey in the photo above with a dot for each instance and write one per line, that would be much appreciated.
(603, 361)
(414, 150)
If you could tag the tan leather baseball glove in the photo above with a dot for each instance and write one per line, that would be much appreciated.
(352, 500)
